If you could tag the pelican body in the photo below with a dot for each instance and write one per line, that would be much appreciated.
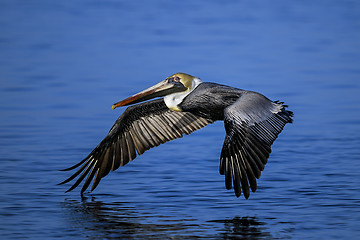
(252, 123)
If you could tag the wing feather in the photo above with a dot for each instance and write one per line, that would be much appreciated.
(82, 176)
(149, 135)
(117, 156)
(235, 165)
(94, 169)
(139, 128)
(252, 124)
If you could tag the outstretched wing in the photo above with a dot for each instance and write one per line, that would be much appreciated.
(252, 124)
(138, 129)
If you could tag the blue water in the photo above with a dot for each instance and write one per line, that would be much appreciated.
(64, 63)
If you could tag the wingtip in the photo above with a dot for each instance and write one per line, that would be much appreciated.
(61, 183)
(75, 166)
(66, 169)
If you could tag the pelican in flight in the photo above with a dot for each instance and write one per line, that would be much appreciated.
(252, 123)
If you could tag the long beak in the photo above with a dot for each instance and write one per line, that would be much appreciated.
(161, 89)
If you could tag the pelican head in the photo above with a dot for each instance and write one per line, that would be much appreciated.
(174, 89)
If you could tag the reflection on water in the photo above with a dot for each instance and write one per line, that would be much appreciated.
(118, 220)
(245, 228)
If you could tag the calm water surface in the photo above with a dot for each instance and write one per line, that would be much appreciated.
(63, 64)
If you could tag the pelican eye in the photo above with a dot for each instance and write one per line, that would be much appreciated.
(174, 79)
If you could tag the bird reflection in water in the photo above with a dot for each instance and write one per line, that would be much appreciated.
(243, 228)
(98, 220)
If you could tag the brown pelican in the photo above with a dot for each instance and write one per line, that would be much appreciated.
(252, 123)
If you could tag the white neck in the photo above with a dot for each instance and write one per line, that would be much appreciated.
(173, 100)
